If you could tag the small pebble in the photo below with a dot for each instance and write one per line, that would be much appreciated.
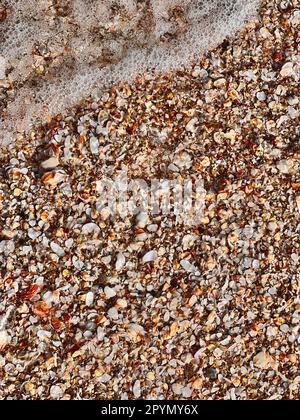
(150, 257)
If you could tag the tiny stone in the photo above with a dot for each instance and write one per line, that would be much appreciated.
(90, 228)
(89, 299)
(142, 220)
(284, 166)
(69, 243)
(211, 374)
(109, 292)
(120, 262)
(56, 392)
(33, 234)
(193, 300)
(272, 226)
(265, 33)
(177, 389)
(137, 389)
(261, 96)
(113, 313)
(57, 249)
(105, 378)
(150, 257)
(3, 64)
(187, 266)
(284, 328)
(94, 145)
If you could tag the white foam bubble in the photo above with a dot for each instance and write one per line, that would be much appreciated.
(90, 44)
(3, 65)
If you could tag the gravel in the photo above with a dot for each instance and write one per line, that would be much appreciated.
(143, 306)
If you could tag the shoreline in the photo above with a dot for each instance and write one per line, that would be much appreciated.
(51, 71)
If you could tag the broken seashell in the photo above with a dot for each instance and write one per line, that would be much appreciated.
(7, 234)
(4, 339)
(187, 266)
(188, 241)
(264, 361)
(53, 178)
(50, 163)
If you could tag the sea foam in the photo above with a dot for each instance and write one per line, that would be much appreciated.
(56, 52)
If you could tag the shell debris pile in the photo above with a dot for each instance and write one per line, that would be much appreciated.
(141, 307)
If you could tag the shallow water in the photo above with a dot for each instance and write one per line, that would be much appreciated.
(54, 53)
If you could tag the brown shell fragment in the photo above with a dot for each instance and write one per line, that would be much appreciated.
(40, 309)
(53, 178)
(28, 293)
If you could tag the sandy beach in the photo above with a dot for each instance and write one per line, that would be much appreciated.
(102, 303)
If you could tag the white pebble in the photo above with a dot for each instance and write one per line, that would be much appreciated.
(122, 303)
(284, 328)
(152, 228)
(105, 213)
(265, 33)
(272, 291)
(187, 391)
(150, 256)
(177, 389)
(89, 299)
(77, 263)
(188, 241)
(43, 335)
(104, 378)
(120, 261)
(109, 292)
(272, 226)
(248, 231)
(271, 332)
(113, 313)
(58, 250)
(94, 145)
(33, 234)
(284, 166)
(261, 96)
(295, 19)
(137, 389)
(264, 361)
(56, 392)
(298, 203)
(187, 266)
(142, 220)
(90, 228)
(69, 243)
